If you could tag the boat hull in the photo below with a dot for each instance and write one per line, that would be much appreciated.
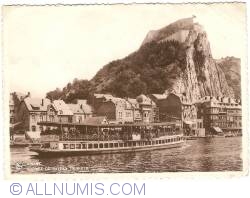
(58, 153)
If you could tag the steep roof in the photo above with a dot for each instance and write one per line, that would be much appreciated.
(81, 108)
(75, 108)
(159, 96)
(36, 104)
(142, 99)
(95, 120)
(102, 96)
(133, 102)
(61, 107)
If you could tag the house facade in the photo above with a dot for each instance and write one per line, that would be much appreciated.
(81, 111)
(175, 107)
(117, 110)
(30, 112)
(147, 108)
(221, 114)
(59, 111)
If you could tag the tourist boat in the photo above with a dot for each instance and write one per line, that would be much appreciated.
(60, 139)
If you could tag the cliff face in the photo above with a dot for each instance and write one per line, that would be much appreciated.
(201, 76)
(177, 57)
(232, 70)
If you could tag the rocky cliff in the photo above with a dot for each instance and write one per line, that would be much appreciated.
(198, 74)
(232, 70)
(177, 57)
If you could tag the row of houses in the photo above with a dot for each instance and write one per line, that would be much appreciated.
(199, 118)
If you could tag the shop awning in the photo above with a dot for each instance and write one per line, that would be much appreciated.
(218, 129)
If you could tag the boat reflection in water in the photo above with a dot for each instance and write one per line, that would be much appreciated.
(68, 139)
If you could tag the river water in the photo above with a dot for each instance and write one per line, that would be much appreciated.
(206, 154)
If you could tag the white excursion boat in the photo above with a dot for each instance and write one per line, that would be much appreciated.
(61, 139)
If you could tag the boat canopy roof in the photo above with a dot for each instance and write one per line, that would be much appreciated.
(69, 124)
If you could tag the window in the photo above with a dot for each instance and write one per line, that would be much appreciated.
(120, 144)
(11, 120)
(65, 146)
(116, 144)
(41, 128)
(84, 146)
(101, 145)
(128, 114)
(120, 114)
(33, 117)
(33, 128)
(78, 146)
(106, 145)
(90, 146)
(95, 146)
(110, 145)
(41, 118)
(72, 146)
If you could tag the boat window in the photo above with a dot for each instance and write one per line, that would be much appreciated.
(153, 142)
(90, 146)
(78, 146)
(110, 145)
(72, 146)
(120, 144)
(101, 145)
(134, 143)
(116, 144)
(95, 145)
(106, 145)
(157, 141)
(125, 144)
(130, 144)
(65, 146)
(149, 143)
(83, 146)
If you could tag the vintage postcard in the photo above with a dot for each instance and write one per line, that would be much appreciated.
(149, 88)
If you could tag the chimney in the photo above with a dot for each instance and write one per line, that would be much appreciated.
(42, 102)
(80, 106)
(28, 94)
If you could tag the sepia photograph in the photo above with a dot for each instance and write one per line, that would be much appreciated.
(138, 88)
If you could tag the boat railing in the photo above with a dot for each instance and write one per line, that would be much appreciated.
(124, 137)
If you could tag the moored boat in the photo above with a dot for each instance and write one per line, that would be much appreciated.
(82, 139)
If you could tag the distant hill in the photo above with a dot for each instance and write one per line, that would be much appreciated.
(176, 57)
(232, 70)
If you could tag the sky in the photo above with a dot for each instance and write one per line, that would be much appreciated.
(45, 47)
